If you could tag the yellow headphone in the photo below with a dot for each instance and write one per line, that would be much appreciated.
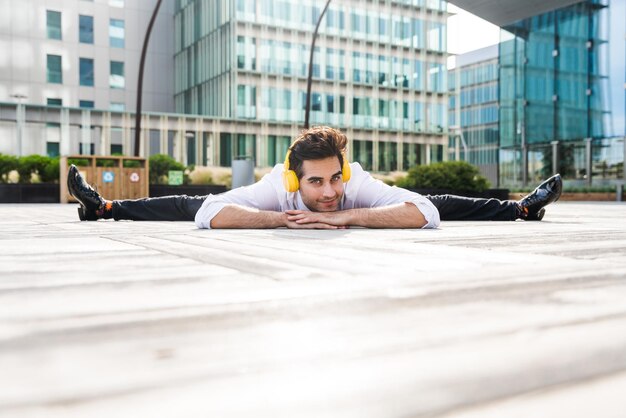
(290, 178)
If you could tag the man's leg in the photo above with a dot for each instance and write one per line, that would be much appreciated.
(94, 207)
(529, 208)
(458, 208)
(166, 208)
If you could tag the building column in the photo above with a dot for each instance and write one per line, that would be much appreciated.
(85, 131)
(20, 118)
(144, 137)
(65, 146)
(105, 134)
(127, 138)
(163, 135)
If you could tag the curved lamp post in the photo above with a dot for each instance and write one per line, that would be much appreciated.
(142, 63)
(308, 80)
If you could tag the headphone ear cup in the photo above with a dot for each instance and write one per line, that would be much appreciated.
(290, 181)
(346, 171)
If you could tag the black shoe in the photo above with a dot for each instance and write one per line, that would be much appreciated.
(90, 201)
(532, 206)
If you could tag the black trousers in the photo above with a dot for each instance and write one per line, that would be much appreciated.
(184, 208)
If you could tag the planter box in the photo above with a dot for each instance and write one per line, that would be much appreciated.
(29, 193)
(157, 190)
(502, 194)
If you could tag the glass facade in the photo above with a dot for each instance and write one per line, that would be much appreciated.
(553, 79)
(473, 111)
(53, 24)
(85, 29)
(377, 66)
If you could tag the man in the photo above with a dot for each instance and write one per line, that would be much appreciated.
(316, 188)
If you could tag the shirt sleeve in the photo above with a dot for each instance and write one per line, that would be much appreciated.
(261, 195)
(374, 193)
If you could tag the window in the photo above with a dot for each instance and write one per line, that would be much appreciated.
(86, 104)
(116, 78)
(54, 102)
(86, 71)
(120, 107)
(116, 33)
(53, 24)
(52, 149)
(54, 71)
(85, 29)
(116, 3)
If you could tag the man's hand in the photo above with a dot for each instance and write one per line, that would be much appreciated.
(403, 215)
(332, 220)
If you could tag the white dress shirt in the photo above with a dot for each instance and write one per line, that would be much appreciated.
(362, 191)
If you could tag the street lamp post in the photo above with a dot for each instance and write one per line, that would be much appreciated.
(309, 78)
(144, 49)
(20, 116)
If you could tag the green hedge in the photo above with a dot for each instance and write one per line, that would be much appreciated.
(448, 175)
(8, 163)
(46, 167)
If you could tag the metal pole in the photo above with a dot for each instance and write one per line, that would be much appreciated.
(624, 161)
(20, 119)
(555, 156)
(144, 49)
(308, 81)
(524, 155)
(588, 161)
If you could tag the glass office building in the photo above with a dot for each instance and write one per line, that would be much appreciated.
(379, 74)
(473, 111)
(553, 93)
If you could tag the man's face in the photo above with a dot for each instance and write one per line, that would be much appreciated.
(321, 186)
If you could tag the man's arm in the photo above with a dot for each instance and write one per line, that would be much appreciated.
(402, 215)
(237, 216)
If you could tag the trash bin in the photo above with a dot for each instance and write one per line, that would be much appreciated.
(243, 171)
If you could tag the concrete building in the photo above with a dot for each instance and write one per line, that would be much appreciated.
(59, 55)
(85, 53)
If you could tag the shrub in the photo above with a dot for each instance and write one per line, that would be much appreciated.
(8, 163)
(51, 171)
(132, 164)
(41, 165)
(106, 163)
(450, 175)
(78, 162)
(160, 165)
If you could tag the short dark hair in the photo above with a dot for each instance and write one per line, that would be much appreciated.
(317, 143)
